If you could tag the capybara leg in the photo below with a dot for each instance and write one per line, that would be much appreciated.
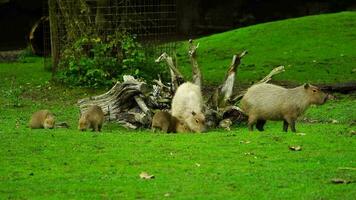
(95, 127)
(292, 126)
(285, 125)
(251, 121)
(99, 128)
(260, 123)
(165, 128)
(291, 122)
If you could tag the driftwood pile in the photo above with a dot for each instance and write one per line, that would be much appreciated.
(132, 103)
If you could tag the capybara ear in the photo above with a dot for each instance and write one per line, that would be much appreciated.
(193, 113)
(306, 85)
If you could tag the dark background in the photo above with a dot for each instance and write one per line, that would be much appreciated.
(195, 18)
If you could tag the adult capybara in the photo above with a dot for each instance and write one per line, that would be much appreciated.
(42, 119)
(165, 122)
(92, 118)
(187, 105)
(271, 102)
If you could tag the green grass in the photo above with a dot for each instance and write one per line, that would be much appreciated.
(316, 49)
(236, 164)
(217, 165)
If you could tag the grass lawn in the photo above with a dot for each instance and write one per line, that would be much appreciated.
(236, 164)
(316, 49)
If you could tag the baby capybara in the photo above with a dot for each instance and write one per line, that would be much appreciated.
(42, 119)
(165, 122)
(92, 118)
(271, 102)
(187, 105)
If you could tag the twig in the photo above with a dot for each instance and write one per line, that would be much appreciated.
(275, 71)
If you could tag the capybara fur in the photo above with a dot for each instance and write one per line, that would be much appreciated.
(93, 118)
(187, 105)
(271, 102)
(42, 119)
(165, 122)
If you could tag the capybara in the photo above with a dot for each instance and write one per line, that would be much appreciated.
(92, 118)
(187, 105)
(42, 119)
(271, 102)
(165, 122)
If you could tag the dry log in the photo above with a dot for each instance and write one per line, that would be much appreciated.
(227, 87)
(275, 71)
(176, 76)
(118, 99)
(340, 87)
(197, 77)
(222, 94)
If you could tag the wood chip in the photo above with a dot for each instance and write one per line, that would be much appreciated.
(145, 175)
(340, 181)
(295, 148)
(301, 134)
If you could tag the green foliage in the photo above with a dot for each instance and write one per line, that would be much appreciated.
(95, 62)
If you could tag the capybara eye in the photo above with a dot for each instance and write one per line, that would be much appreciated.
(314, 90)
(197, 121)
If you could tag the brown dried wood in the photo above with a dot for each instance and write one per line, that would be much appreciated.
(176, 77)
(196, 74)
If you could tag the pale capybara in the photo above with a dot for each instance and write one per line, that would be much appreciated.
(93, 118)
(42, 119)
(271, 102)
(187, 105)
(165, 122)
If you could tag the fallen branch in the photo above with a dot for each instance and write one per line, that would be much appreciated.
(266, 79)
(275, 71)
(221, 96)
(176, 76)
(196, 74)
(228, 85)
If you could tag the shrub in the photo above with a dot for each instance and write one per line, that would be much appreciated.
(95, 62)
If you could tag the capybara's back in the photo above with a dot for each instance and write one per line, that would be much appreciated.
(42, 119)
(187, 105)
(93, 118)
(271, 102)
(265, 99)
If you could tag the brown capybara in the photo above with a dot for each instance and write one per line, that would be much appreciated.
(92, 118)
(271, 102)
(165, 122)
(187, 105)
(42, 119)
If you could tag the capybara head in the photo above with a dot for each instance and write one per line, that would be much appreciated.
(316, 96)
(83, 123)
(181, 127)
(196, 122)
(49, 122)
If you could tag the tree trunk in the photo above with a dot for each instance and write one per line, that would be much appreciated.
(53, 23)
